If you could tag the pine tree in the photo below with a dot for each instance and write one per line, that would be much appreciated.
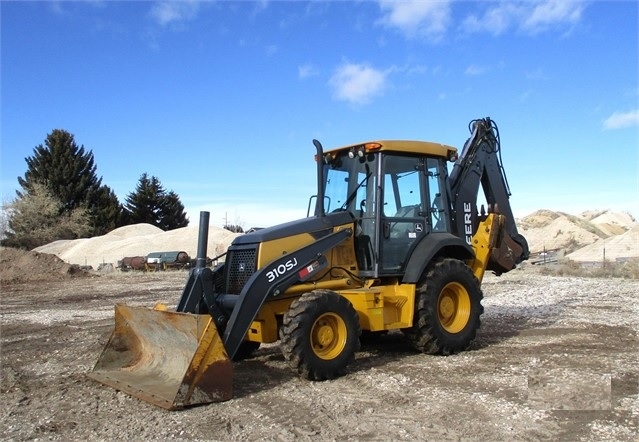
(69, 172)
(65, 168)
(107, 213)
(142, 206)
(150, 203)
(235, 228)
(172, 210)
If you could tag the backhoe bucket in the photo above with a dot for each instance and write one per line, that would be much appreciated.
(169, 359)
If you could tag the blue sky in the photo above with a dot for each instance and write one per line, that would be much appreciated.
(220, 100)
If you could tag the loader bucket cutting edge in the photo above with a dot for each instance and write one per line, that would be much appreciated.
(169, 359)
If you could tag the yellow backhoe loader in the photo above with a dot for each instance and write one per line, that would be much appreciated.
(395, 242)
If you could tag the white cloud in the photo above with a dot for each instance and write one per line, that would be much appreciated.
(259, 6)
(357, 83)
(537, 74)
(523, 97)
(167, 12)
(307, 70)
(529, 16)
(553, 12)
(416, 18)
(621, 120)
(65, 8)
(474, 69)
(271, 50)
(495, 20)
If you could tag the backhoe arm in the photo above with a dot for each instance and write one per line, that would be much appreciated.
(480, 165)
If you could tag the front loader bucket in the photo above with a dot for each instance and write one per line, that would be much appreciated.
(166, 358)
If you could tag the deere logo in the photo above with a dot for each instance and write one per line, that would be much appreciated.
(241, 267)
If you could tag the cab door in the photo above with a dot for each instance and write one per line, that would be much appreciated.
(405, 209)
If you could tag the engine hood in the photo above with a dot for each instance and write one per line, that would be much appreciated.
(314, 225)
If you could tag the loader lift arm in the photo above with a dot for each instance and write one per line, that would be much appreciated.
(199, 295)
(301, 264)
(480, 165)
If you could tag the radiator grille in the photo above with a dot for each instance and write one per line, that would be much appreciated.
(241, 264)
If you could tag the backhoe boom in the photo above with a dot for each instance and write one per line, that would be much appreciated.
(480, 165)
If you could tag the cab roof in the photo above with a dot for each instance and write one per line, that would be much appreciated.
(404, 146)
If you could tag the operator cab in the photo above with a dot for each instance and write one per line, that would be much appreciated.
(396, 193)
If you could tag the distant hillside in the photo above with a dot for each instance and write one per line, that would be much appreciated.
(614, 247)
(613, 223)
(582, 236)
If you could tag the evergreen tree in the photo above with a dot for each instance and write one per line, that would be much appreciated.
(173, 214)
(142, 206)
(108, 213)
(65, 168)
(235, 228)
(150, 203)
(69, 172)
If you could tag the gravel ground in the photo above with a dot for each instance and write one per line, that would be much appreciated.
(556, 359)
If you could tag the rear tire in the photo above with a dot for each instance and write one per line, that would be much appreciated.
(320, 335)
(448, 308)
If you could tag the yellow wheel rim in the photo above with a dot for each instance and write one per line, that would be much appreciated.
(453, 307)
(328, 336)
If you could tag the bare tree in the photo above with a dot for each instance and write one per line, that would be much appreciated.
(35, 218)
(4, 219)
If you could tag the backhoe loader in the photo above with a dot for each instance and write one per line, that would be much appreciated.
(395, 242)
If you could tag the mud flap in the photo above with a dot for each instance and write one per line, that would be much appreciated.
(169, 359)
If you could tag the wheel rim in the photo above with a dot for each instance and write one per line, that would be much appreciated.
(453, 307)
(328, 336)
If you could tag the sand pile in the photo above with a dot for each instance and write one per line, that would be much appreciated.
(613, 248)
(136, 240)
(612, 223)
(545, 229)
(555, 230)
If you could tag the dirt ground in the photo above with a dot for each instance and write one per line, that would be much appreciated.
(556, 359)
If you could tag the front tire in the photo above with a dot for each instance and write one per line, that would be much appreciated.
(448, 308)
(320, 335)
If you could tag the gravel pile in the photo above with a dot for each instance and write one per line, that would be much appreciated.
(585, 234)
(616, 247)
(136, 240)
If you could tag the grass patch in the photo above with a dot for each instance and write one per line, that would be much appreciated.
(627, 269)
